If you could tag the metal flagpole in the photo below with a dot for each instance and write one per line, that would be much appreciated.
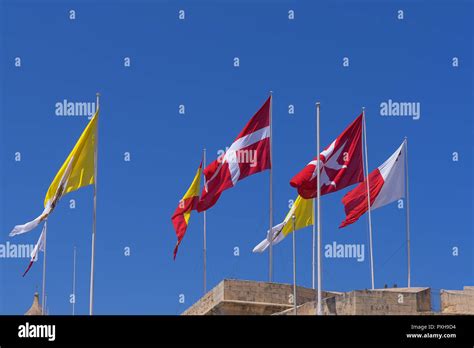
(205, 228)
(294, 266)
(407, 212)
(313, 269)
(318, 196)
(74, 283)
(43, 300)
(270, 273)
(91, 294)
(366, 164)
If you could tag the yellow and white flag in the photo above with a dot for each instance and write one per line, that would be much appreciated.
(302, 209)
(78, 170)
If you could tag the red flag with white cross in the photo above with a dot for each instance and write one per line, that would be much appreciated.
(340, 164)
(249, 154)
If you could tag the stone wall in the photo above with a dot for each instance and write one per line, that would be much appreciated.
(207, 302)
(263, 292)
(397, 301)
(251, 298)
(458, 301)
(234, 297)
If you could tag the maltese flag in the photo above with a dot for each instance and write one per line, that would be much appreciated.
(249, 154)
(386, 184)
(340, 164)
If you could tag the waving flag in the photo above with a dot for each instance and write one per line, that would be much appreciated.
(76, 172)
(180, 218)
(340, 164)
(302, 209)
(38, 247)
(386, 184)
(249, 154)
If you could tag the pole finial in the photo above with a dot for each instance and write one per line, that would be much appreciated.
(318, 103)
(97, 100)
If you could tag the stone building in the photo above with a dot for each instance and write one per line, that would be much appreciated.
(233, 297)
(249, 297)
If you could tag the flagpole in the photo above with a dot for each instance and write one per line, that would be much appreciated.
(270, 273)
(74, 282)
(407, 213)
(204, 230)
(294, 266)
(318, 196)
(43, 300)
(91, 293)
(366, 164)
(313, 268)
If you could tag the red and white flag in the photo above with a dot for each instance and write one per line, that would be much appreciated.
(340, 164)
(249, 154)
(386, 184)
(38, 247)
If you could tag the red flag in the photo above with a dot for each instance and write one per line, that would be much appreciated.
(340, 164)
(249, 154)
(386, 184)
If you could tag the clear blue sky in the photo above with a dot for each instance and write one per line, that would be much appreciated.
(190, 62)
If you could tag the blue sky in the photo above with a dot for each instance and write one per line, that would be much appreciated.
(190, 62)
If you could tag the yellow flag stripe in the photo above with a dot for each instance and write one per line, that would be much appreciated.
(187, 216)
(194, 189)
(303, 211)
